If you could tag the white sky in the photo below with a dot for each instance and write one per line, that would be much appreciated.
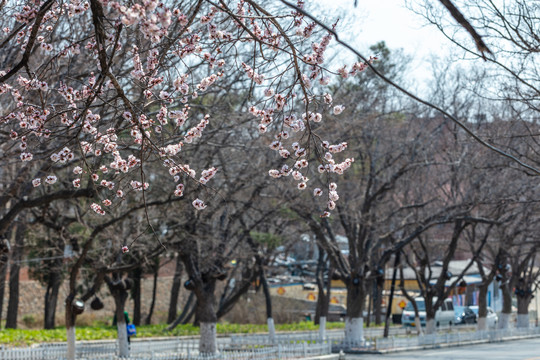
(389, 20)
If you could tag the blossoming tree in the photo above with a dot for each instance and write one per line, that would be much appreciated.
(101, 88)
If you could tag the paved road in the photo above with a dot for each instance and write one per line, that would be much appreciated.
(528, 349)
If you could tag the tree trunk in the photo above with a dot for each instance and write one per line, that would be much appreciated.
(205, 313)
(370, 306)
(13, 303)
(354, 323)
(418, 324)
(3, 274)
(523, 311)
(175, 291)
(482, 307)
(430, 326)
(430, 315)
(322, 295)
(154, 290)
(70, 329)
(120, 295)
(51, 297)
(185, 314)
(379, 283)
(405, 293)
(504, 320)
(325, 306)
(136, 275)
(268, 301)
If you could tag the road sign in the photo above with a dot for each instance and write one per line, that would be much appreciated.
(402, 304)
(281, 291)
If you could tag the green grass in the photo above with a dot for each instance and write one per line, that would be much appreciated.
(20, 337)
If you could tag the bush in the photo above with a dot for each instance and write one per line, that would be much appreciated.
(29, 321)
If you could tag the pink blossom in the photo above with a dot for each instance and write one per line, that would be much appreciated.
(97, 209)
(198, 204)
(179, 191)
(333, 195)
(274, 173)
(50, 179)
(26, 156)
(338, 109)
(125, 249)
(36, 182)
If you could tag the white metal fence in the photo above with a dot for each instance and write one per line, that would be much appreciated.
(169, 349)
(261, 347)
(434, 340)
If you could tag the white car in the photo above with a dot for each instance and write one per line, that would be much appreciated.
(443, 316)
(491, 319)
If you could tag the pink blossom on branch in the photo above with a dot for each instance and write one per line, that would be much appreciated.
(198, 204)
(93, 122)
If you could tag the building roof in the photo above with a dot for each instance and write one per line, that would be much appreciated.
(455, 267)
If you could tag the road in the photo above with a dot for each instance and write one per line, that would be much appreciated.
(527, 349)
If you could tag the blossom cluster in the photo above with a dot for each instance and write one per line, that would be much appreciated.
(161, 121)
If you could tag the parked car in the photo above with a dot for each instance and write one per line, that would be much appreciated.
(491, 319)
(464, 315)
(443, 316)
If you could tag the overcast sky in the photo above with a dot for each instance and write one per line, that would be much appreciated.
(389, 20)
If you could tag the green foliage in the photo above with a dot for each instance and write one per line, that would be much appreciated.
(271, 241)
(21, 337)
(29, 320)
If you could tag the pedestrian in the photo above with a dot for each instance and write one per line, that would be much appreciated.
(130, 328)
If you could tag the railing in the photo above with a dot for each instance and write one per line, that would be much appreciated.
(175, 348)
(435, 340)
(240, 347)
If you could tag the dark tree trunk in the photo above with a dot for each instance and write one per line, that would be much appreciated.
(70, 317)
(369, 307)
(186, 313)
(506, 312)
(120, 295)
(523, 302)
(175, 291)
(482, 300)
(267, 297)
(205, 307)
(51, 297)
(205, 316)
(148, 319)
(136, 295)
(323, 297)
(378, 300)
(356, 297)
(13, 303)
(3, 273)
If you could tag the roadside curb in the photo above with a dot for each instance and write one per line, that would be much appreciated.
(339, 356)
